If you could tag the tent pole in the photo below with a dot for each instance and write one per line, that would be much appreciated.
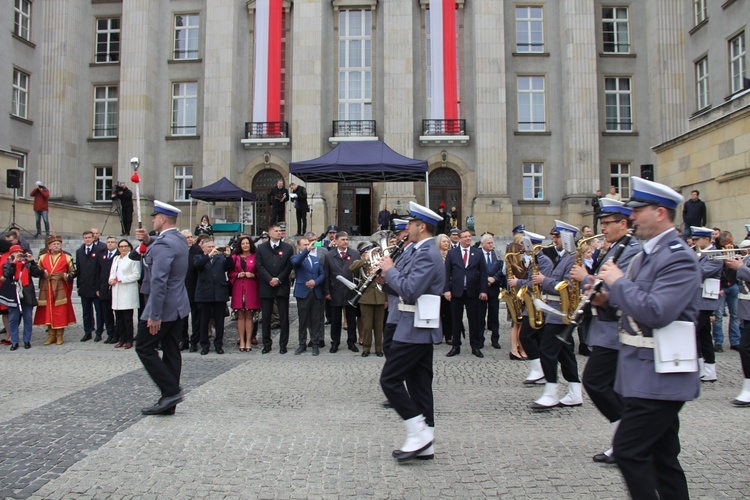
(242, 216)
(190, 199)
(427, 189)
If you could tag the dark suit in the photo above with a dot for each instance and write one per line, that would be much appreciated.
(105, 292)
(190, 282)
(309, 300)
(87, 274)
(465, 284)
(164, 267)
(278, 197)
(274, 263)
(489, 311)
(301, 208)
(340, 295)
(212, 294)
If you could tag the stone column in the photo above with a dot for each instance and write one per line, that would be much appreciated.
(141, 30)
(219, 107)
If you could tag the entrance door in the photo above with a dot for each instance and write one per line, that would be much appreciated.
(355, 208)
(445, 186)
(262, 184)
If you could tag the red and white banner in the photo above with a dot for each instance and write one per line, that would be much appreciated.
(444, 75)
(267, 97)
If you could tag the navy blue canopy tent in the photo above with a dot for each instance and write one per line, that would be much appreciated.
(361, 161)
(221, 190)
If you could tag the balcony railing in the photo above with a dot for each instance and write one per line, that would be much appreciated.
(266, 130)
(354, 128)
(444, 127)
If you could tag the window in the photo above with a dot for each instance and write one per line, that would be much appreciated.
(184, 108)
(529, 30)
(22, 25)
(700, 13)
(183, 183)
(102, 183)
(186, 31)
(615, 30)
(531, 112)
(355, 65)
(620, 178)
(533, 181)
(618, 104)
(108, 40)
(105, 111)
(20, 105)
(21, 166)
(737, 62)
(701, 83)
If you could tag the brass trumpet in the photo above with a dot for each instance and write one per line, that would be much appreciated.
(723, 254)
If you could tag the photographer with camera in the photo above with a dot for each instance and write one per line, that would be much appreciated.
(124, 196)
(41, 207)
(211, 292)
(17, 293)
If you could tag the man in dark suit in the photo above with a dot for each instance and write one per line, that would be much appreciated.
(465, 287)
(277, 197)
(191, 329)
(301, 207)
(337, 264)
(274, 265)
(308, 290)
(489, 310)
(105, 292)
(164, 267)
(124, 196)
(87, 275)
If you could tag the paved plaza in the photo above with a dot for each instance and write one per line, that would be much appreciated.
(286, 426)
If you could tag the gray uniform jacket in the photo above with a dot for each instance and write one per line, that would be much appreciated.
(709, 269)
(603, 331)
(545, 268)
(663, 287)
(421, 274)
(560, 273)
(393, 299)
(164, 268)
(743, 275)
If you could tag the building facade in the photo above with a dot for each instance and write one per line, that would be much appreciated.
(545, 101)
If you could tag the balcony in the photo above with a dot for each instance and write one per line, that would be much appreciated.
(266, 135)
(353, 130)
(444, 133)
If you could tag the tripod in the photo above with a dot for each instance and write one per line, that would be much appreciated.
(116, 209)
(13, 224)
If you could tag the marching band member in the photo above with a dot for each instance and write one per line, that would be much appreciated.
(743, 275)
(708, 301)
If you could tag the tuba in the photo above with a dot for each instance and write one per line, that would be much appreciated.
(515, 269)
(536, 317)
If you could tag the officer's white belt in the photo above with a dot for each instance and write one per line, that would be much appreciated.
(407, 307)
(636, 340)
(552, 298)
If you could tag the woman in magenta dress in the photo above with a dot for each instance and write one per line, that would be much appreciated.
(245, 298)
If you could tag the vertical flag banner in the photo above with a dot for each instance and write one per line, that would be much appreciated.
(444, 92)
(267, 96)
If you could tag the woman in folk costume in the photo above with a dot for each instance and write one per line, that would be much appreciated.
(55, 309)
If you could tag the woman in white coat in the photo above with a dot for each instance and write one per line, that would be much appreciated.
(123, 278)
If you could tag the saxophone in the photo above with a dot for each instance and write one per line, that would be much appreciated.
(512, 302)
(536, 317)
(573, 293)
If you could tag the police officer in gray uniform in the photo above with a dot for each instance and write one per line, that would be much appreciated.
(165, 265)
(708, 302)
(604, 338)
(407, 375)
(743, 310)
(660, 286)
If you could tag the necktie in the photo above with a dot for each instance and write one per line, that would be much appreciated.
(109, 256)
(466, 256)
(343, 255)
(88, 250)
(489, 261)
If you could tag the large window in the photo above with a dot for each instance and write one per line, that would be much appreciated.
(533, 181)
(108, 40)
(185, 108)
(105, 111)
(355, 65)
(529, 29)
(737, 62)
(20, 105)
(531, 104)
(21, 166)
(186, 36)
(102, 183)
(22, 19)
(618, 104)
(615, 30)
(700, 13)
(183, 183)
(620, 178)
(701, 83)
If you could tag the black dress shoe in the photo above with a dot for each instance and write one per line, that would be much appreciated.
(496, 345)
(164, 404)
(169, 411)
(379, 354)
(86, 337)
(219, 350)
(300, 350)
(353, 348)
(603, 458)
(13, 347)
(718, 348)
(334, 349)
(477, 353)
(108, 340)
(309, 344)
(193, 348)
(265, 350)
(365, 354)
(27, 345)
(184, 346)
(98, 338)
(453, 352)
(405, 456)
(282, 350)
(315, 350)
(583, 350)
(204, 351)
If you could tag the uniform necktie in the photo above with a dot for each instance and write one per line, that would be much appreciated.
(466, 256)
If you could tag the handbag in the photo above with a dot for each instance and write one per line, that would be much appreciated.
(675, 349)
